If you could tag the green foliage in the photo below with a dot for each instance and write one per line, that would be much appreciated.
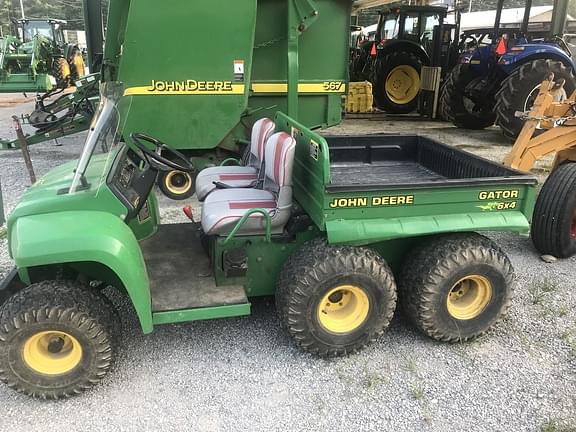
(69, 10)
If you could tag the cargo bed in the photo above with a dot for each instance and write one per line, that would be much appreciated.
(400, 161)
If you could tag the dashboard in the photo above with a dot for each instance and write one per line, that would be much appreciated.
(132, 180)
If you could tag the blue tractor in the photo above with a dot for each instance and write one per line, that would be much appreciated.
(500, 73)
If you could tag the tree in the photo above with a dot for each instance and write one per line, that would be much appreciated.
(69, 10)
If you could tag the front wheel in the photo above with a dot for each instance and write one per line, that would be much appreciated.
(57, 339)
(553, 228)
(335, 300)
(458, 105)
(456, 287)
(176, 185)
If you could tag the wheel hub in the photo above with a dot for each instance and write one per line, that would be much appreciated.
(343, 309)
(402, 84)
(178, 182)
(52, 352)
(469, 297)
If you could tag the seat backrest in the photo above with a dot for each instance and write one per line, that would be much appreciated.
(279, 164)
(261, 131)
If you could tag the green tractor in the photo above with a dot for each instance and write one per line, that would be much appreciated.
(38, 59)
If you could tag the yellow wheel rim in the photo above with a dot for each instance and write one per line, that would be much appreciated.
(52, 352)
(343, 309)
(402, 84)
(469, 297)
(178, 182)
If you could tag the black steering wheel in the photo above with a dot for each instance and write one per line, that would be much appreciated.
(177, 162)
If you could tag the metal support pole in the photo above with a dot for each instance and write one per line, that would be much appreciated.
(526, 19)
(559, 14)
(24, 147)
(292, 47)
(499, 7)
(22, 9)
(94, 33)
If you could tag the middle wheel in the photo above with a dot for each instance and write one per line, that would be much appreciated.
(334, 300)
(176, 185)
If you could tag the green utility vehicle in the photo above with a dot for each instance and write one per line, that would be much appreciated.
(335, 228)
(38, 59)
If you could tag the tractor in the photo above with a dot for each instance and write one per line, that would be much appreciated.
(501, 74)
(407, 38)
(38, 59)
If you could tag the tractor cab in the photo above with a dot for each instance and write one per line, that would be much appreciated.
(51, 29)
(416, 23)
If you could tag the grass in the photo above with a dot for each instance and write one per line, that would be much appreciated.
(554, 425)
(373, 379)
(417, 391)
(569, 336)
(3, 233)
(411, 365)
(539, 289)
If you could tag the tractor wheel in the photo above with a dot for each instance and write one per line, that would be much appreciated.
(397, 83)
(176, 185)
(57, 339)
(335, 300)
(456, 107)
(455, 287)
(554, 221)
(62, 72)
(520, 89)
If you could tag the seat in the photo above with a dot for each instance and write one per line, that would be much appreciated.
(223, 208)
(238, 176)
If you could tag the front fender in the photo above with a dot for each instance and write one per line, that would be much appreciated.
(529, 52)
(85, 236)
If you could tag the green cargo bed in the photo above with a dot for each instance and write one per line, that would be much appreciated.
(362, 189)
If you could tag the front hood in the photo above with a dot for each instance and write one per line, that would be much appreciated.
(50, 193)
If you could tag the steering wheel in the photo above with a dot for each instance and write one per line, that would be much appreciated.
(178, 162)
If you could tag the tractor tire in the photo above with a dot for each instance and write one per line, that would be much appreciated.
(57, 339)
(520, 89)
(553, 229)
(62, 72)
(335, 300)
(77, 66)
(397, 83)
(176, 185)
(456, 108)
(455, 287)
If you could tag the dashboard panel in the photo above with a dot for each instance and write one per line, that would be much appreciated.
(131, 180)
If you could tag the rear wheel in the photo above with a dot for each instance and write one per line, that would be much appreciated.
(457, 106)
(520, 89)
(554, 222)
(176, 185)
(456, 287)
(397, 83)
(57, 339)
(335, 300)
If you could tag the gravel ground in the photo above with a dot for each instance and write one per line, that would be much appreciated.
(246, 374)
